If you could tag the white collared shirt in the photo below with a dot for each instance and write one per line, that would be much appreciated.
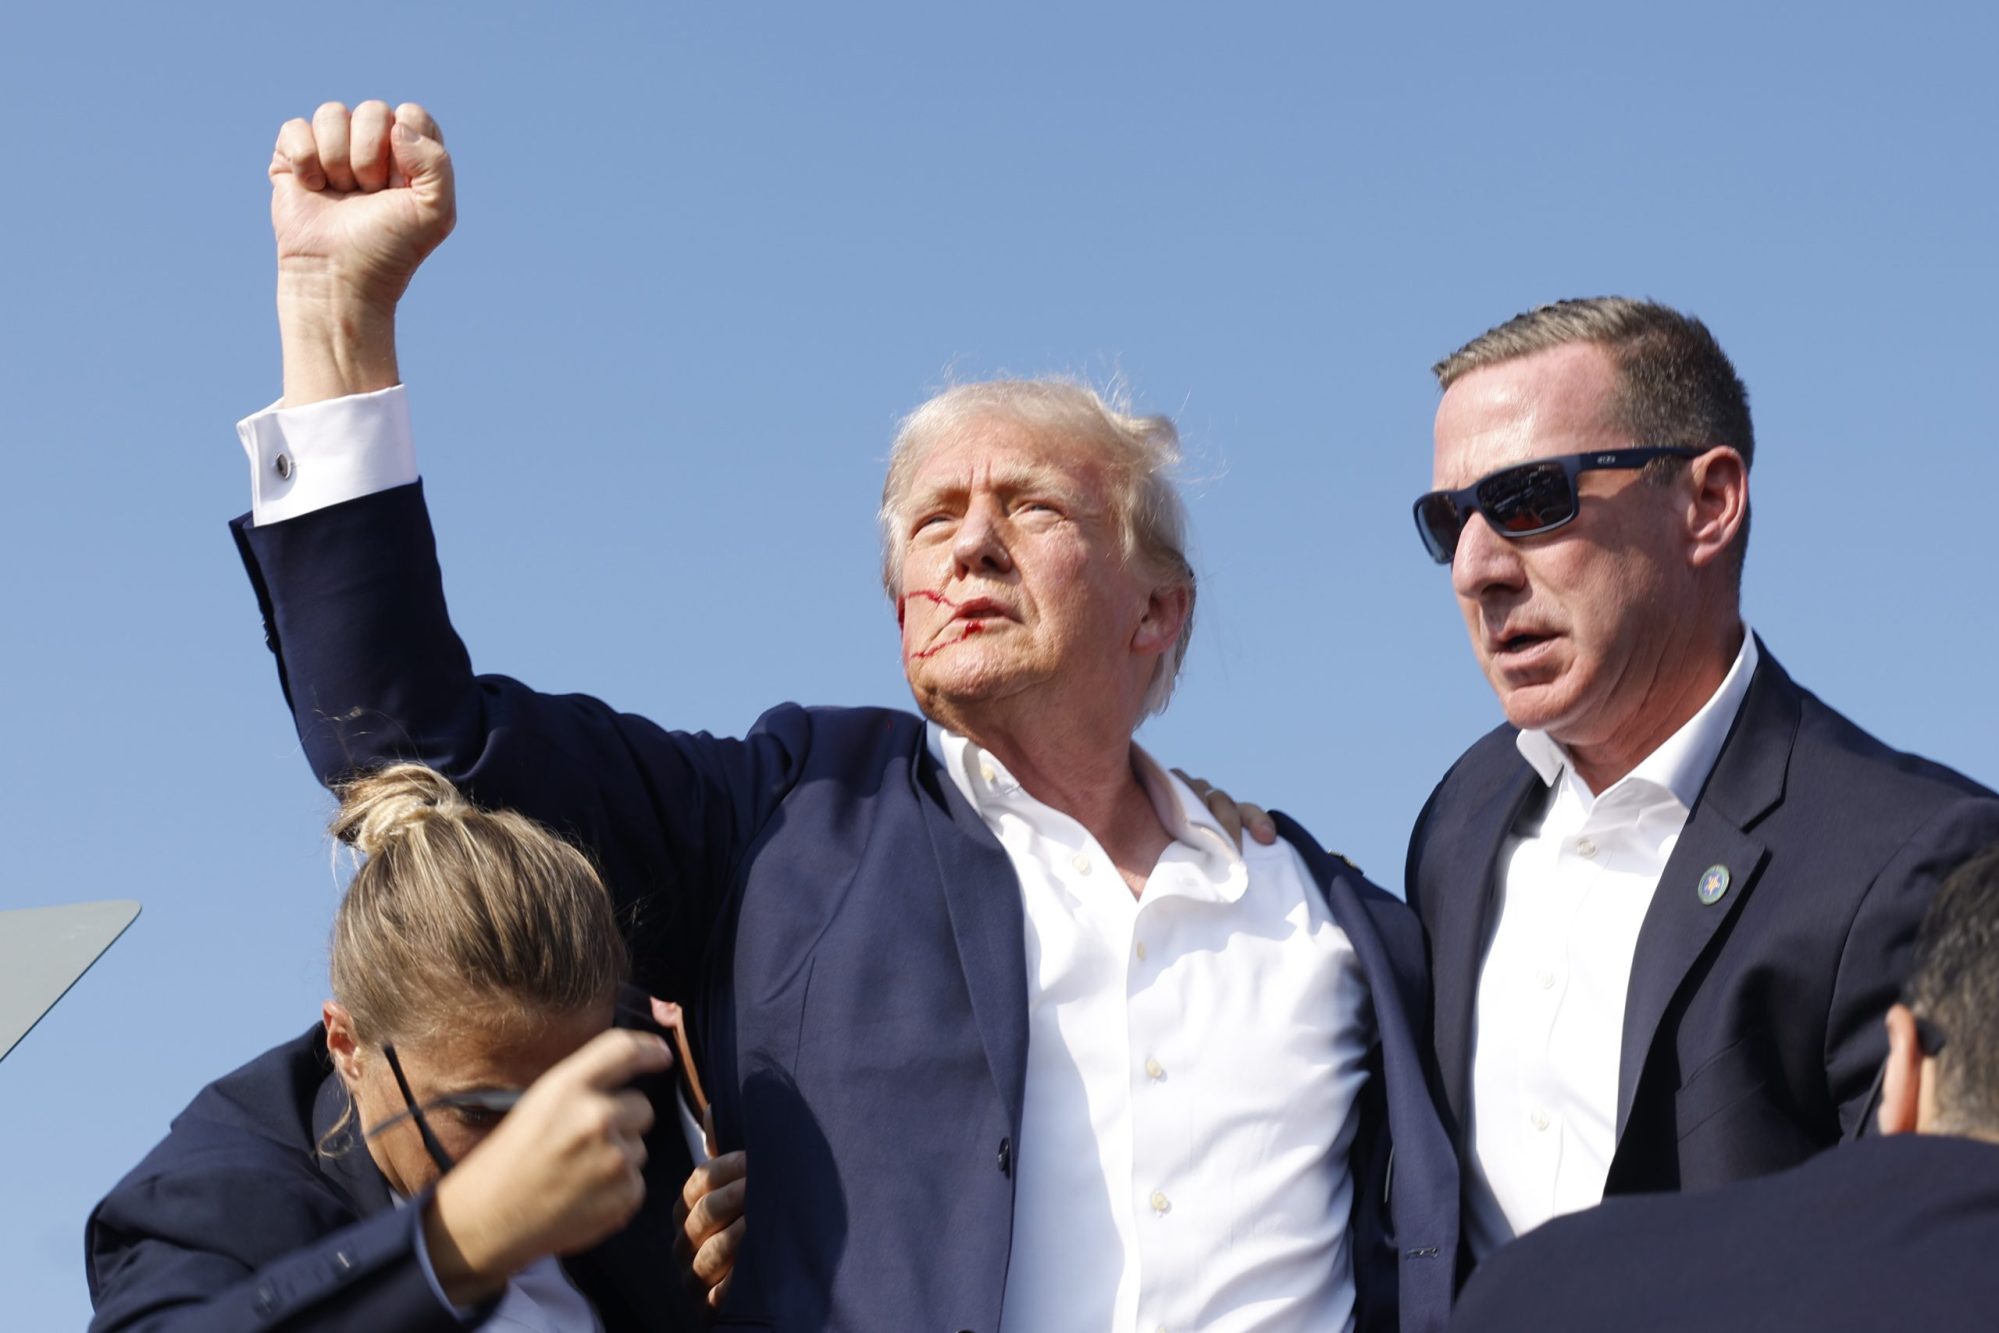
(1194, 1061)
(1548, 1037)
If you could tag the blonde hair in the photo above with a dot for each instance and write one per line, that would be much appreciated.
(456, 908)
(1138, 452)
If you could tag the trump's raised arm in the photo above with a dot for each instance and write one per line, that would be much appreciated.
(340, 551)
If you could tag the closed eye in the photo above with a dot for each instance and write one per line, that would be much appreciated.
(477, 1118)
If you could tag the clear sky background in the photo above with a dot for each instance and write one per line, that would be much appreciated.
(706, 257)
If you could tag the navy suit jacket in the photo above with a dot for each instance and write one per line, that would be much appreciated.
(1752, 1026)
(237, 1222)
(1892, 1233)
(845, 931)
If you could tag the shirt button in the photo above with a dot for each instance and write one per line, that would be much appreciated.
(283, 466)
(1546, 978)
(1154, 1070)
(986, 772)
(1160, 1203)
(1539, 1119)
(1585, 848)
(1139, 949)
(1081, 860)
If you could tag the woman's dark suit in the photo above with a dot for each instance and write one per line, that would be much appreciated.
(238, 1221)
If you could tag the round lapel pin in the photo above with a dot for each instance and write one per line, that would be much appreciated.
(1713, 884)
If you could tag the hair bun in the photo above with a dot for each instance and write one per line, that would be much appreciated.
(378, 807)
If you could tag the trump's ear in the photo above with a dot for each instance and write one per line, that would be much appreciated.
(1902, 1078)
(1166, 612)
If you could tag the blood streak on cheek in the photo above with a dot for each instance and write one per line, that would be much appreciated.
(971, 627)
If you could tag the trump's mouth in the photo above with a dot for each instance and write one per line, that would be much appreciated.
(980, 608)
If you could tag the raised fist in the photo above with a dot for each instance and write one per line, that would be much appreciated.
(564, 1169)
(359, 198)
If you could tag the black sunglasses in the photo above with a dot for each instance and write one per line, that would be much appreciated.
(1525, 500)
(497, 1101)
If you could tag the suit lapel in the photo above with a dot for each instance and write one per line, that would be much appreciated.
(1748, 779)
(1424, 1189)
(1460, 921)
(982, 894)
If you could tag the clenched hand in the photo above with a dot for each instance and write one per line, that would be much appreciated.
(358, 200)
(564, 1170)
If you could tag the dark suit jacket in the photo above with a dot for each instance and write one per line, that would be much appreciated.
(1752, 1027)
(237, 1222)
(846, 933)
(1892, 1233)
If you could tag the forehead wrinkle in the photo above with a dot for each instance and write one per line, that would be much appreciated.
(1008, 478)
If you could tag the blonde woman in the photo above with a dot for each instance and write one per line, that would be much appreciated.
(467, 1138)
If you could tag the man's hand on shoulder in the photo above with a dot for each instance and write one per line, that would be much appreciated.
(1235, 817)
(358, 200)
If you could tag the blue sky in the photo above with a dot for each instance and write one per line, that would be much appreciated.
(707, 256)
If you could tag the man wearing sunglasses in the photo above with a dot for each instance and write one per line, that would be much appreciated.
(1670, 898)
(1895, 1232)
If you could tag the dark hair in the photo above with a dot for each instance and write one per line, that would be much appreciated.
(1676, 384)
(1955, 985)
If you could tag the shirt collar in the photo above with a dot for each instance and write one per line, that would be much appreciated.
(1197, 836)
(1681, 763)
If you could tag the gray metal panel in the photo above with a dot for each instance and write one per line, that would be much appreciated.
(43, 950)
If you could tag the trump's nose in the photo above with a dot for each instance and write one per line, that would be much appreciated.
(980, 543)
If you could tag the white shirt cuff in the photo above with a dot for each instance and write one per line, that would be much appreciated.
(307, 458)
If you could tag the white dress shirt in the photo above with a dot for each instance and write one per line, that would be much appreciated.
(1548, 1034)
(1194, 1060)
(1195, 1055)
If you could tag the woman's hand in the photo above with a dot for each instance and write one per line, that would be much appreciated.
(560, 1173)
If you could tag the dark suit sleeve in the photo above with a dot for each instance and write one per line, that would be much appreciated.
(353, 606)
(1880, 947)
(204, 1251)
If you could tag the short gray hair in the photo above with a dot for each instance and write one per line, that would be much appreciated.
(1677, 385)
(1140, 453)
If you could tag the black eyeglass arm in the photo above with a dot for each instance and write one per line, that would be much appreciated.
(431, 1144)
